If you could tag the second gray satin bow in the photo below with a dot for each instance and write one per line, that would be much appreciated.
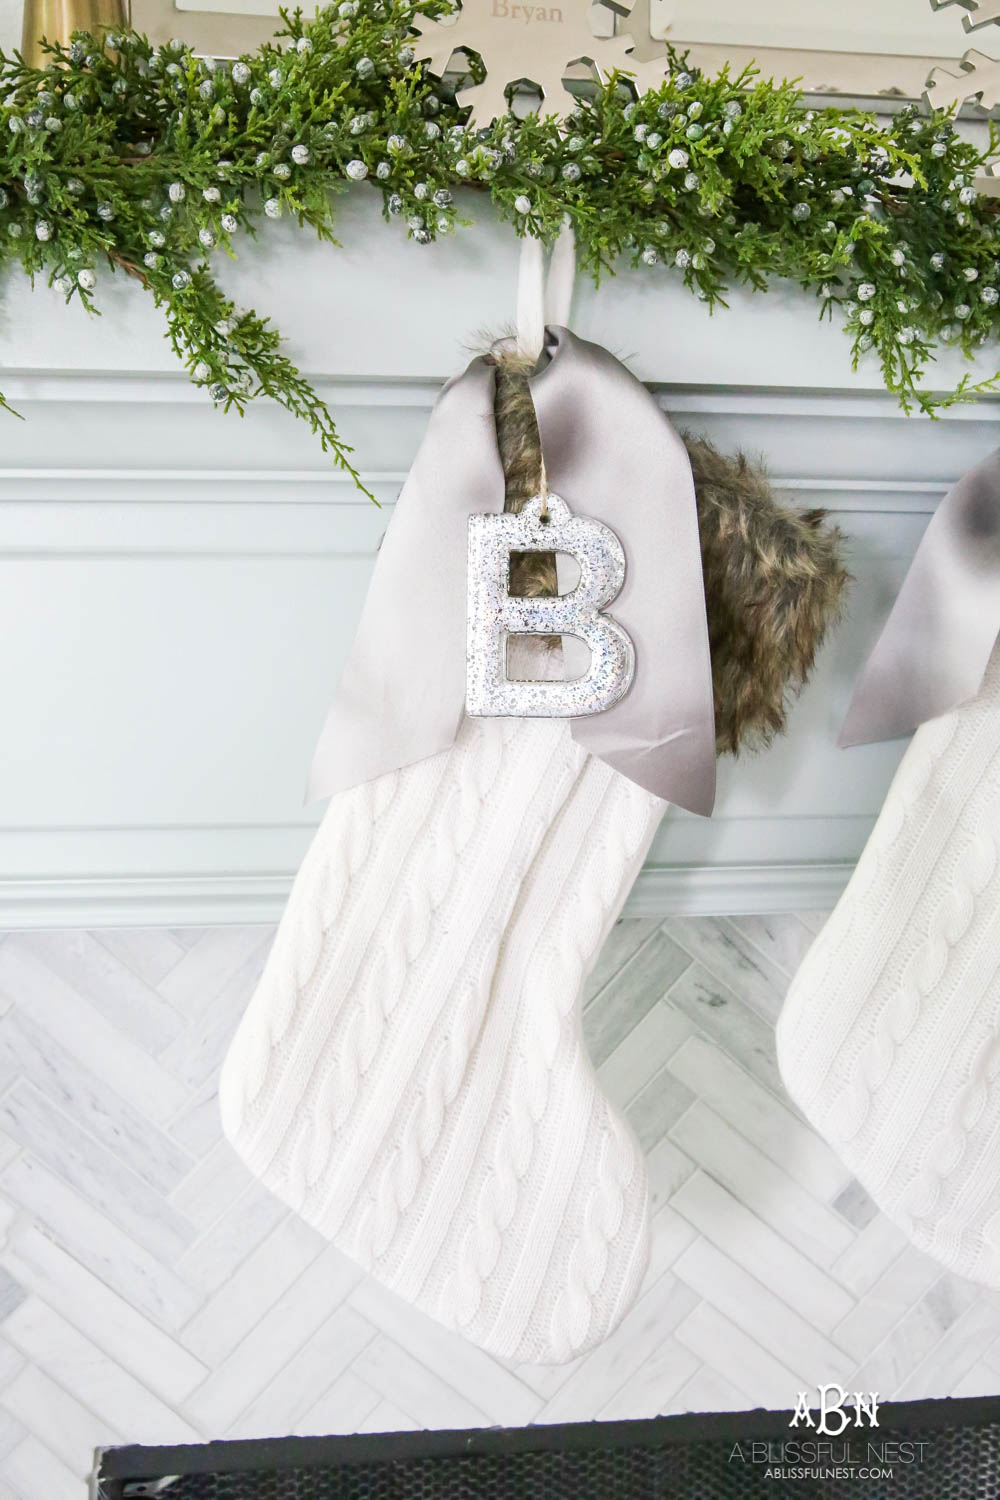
(934, 650)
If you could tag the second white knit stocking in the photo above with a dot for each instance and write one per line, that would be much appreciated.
(889, 1039)
(410, 1075)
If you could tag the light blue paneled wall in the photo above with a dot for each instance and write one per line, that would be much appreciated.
(178, 588)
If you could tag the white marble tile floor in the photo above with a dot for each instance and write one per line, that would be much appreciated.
(151, 1291)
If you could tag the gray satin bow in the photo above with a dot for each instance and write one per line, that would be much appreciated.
(610, 453)
(934, 650)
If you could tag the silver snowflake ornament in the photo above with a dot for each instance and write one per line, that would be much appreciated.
(539, 43)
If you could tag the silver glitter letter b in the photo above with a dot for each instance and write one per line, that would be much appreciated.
(494, 615)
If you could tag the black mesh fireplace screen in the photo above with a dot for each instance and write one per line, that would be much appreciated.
(930, 1450)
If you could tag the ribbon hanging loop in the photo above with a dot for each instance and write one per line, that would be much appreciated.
(544, 299)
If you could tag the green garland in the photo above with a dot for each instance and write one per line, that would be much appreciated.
(151, 161)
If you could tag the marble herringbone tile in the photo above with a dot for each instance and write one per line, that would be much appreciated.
(151, 1291)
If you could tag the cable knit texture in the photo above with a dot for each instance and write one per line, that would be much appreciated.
(889, 1039)
(410, 1075)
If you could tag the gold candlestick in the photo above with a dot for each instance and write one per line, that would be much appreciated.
(56, 20)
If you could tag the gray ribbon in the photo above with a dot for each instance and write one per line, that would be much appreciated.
(610, 453)
(934, 650)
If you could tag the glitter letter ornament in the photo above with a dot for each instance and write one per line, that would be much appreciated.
(544, 525)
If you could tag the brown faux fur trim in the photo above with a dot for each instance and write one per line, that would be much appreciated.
(774, 585)
(774, 576)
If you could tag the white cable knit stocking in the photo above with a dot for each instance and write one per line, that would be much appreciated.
(889, 1040)
(410, 1075)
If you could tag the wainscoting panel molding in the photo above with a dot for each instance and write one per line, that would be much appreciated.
(178, 590)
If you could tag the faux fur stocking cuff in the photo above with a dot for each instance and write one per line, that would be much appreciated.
(774, 575)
